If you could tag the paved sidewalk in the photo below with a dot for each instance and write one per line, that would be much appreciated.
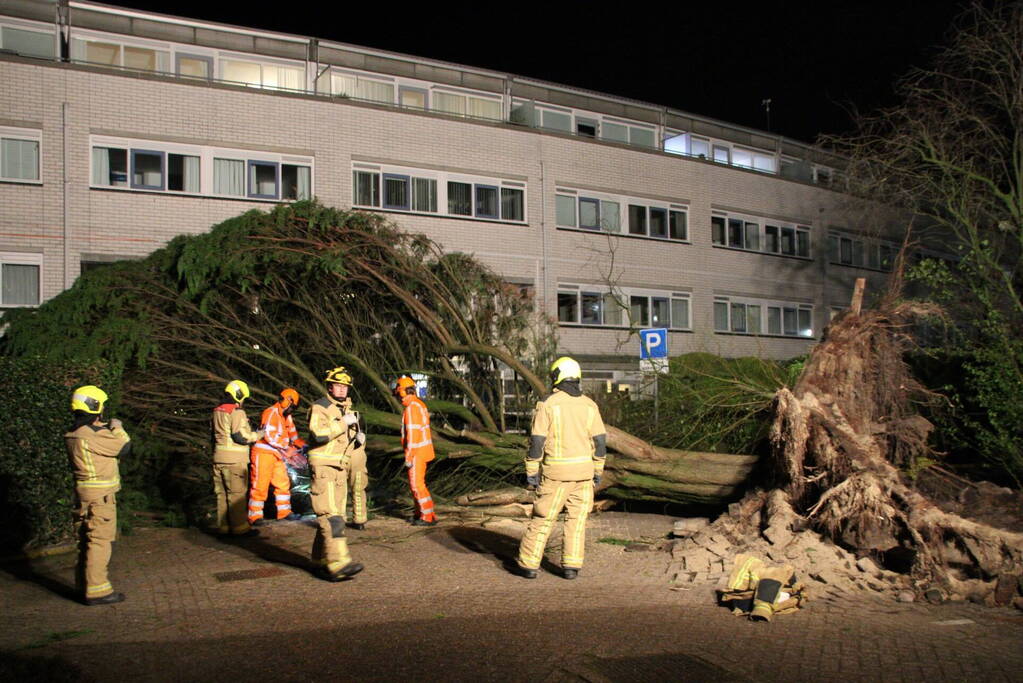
(436, 603)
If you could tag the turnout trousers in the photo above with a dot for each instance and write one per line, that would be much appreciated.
(268, 470)
(328, 491)
(96, 529)
(420, 494)
(230, 485)
(576, 497)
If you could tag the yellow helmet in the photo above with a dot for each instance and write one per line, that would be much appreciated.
(565, 368)
(88, 399)
(237, 390)
(338, 375)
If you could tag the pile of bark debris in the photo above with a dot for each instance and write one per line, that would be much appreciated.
(703, 551)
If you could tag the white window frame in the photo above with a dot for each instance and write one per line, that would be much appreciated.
(78, 34)
(623, 295)
(29, 135)
(206, 155)
(22, 258)
(260, 61)
(761, 234)
(738, 327)
(624, 201)
(410, 174)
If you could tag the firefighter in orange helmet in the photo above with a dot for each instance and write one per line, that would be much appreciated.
(418, 444)
(280, 440)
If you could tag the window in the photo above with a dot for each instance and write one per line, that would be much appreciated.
(263, 75)
(19, 154)
(229, 177)
(459, 198)
(486, 202)
(19, 279)
(194, 66)
(296, 181)
(565, 210)
(183, 173)
(753, 316)
(147, 170)
(556, 120)
(361, 88)
(108, 53)
(600, 213)
(415, 98)
(366, 188)
(197, 170)
(26, 42)
(586, 128)
(397, 194)
(860, 252)
(397, 188)
(424, 195)
(599, 306)
(754, 234)
(263, 180)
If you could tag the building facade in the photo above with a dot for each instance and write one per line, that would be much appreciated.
(121, 129)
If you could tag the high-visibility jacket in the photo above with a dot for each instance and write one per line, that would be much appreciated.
(567, 426)
(279, 432)
(94, 450)
(331, 441)
(232, 435)
(416, 438)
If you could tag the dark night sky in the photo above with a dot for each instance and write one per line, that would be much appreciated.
(709, 58)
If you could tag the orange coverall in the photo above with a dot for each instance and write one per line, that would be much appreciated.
(267, 459)
(418, 443)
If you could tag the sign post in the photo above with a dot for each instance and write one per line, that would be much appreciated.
(653, 359)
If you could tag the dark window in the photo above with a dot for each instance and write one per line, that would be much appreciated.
(677, 225)
(486, 202)
(396, 192)
(568, 307)
(511, 204)
(658, 222)
(717, 229)
(637, 220)
(460, 199)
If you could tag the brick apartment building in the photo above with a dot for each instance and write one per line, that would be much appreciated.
(120, 129)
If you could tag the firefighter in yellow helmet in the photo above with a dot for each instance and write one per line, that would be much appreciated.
(232, 437)
(337, 457)
(94, 447)
(417, 440)
(567, 446)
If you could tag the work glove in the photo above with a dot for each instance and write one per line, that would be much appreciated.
(596, 479)
(408, 464)
(115, 423)
(360, 439)
(260, 434)
(533, 480)
(350, 419)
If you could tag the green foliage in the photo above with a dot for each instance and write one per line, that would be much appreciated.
(36, 489)
(274, 299)
(708, 403)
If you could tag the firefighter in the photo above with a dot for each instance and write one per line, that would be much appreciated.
(280, 440)
(567, 446)
(335, 441)
(417, 441)
(232, 437)
(94, 448)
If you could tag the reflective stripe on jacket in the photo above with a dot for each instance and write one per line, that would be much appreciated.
(94, 450)
(279, 431)
(331, 441)
(416, 437)
(569, 424)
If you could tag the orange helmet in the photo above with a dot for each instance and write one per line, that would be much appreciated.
(289, 394)
(402, 384)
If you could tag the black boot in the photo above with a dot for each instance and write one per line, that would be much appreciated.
(111, 599)
(569, 572)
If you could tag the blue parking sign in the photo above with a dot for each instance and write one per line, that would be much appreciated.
(653, 343)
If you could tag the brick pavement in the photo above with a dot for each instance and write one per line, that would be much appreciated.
(436, 602)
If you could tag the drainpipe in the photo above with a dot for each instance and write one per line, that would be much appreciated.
(64, 171)
(543, 239)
